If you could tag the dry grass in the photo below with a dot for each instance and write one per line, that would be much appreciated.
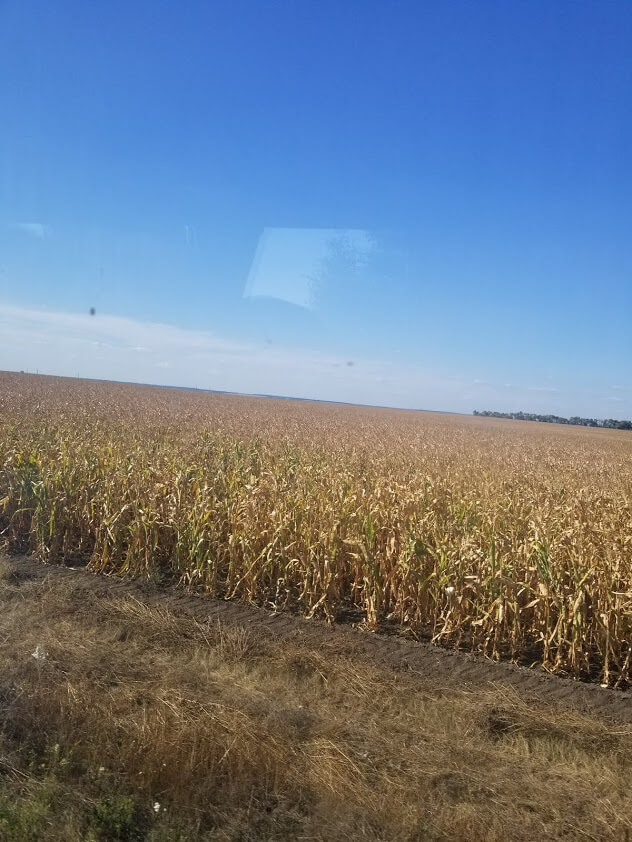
(236, 740)
(512, 538)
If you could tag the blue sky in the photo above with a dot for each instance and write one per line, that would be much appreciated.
(403, 203)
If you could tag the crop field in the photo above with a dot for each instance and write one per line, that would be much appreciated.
(511, 538)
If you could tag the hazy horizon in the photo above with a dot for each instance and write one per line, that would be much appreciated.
(166, 384)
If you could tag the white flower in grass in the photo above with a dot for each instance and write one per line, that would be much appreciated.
(156, 807)
(450, 590)
(40, 653)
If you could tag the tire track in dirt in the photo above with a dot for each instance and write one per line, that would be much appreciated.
(433, 666)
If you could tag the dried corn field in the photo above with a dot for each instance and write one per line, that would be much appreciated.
(511, 538)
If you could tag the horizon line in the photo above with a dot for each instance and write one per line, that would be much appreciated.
(233, 393)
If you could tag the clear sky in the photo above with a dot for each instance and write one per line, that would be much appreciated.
(423, 204)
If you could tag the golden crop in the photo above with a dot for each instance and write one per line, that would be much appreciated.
(514, 538)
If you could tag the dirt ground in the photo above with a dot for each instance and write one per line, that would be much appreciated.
(443, 667)
(129, 713)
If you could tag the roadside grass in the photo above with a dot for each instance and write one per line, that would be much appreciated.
(139, 725)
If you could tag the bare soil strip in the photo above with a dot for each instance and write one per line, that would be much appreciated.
(434, 666)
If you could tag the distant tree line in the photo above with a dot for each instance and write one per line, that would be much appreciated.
(609, 423)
